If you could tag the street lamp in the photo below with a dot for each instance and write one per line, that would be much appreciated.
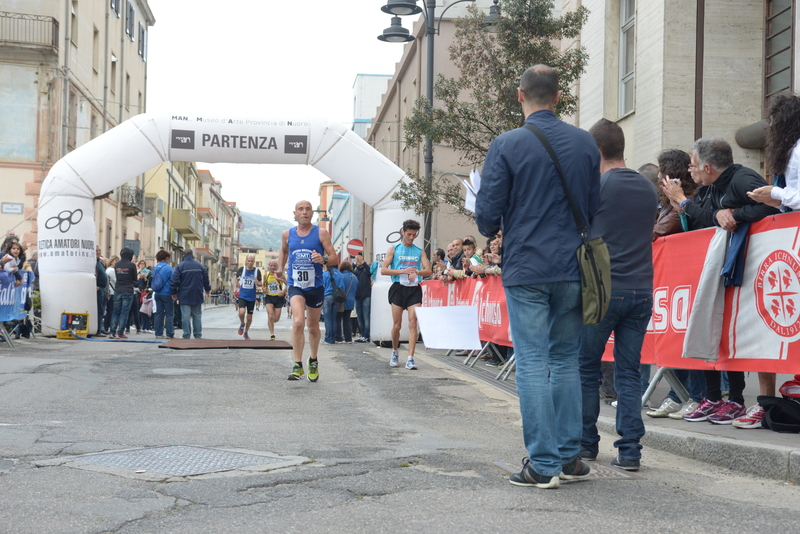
(397, 34)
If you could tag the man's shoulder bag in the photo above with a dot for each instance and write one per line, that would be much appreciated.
(593, 258)
(339, 294)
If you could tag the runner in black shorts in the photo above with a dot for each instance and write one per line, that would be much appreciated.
(248, 279)
(407, 264)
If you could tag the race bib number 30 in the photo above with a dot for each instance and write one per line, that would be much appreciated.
(303, 278)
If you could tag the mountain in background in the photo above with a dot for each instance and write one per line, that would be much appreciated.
(262, 231)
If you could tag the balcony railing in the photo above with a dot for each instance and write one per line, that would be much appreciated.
(20, 28)
(132, 199)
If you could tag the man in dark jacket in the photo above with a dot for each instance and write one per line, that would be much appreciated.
(125, 271)
(102, 283)
(363, 298)
(724, 202)
(189, 280)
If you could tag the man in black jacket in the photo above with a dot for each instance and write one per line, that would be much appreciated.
(125, 271)
(102, 284)
(725, 203)
(363, 297)
(722, 202)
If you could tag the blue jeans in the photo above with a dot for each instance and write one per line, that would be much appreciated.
(546, 321)
(164, 313)
(363, 307)
(101, 308)
(192, 320)
(330, 309)
(627, 316)
(122, 308)
(693, 380)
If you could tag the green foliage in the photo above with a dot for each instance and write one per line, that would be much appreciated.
(481, 103)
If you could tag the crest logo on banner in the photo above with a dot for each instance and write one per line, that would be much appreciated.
(777, 286)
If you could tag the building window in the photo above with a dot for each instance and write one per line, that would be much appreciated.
(116, 7)
(127, 92)
(108, 238)
(778, 47)
(142, 42)
(627, 56)
(72, 121)
(96, 50)
(95, 126)
(130, 21)
(73, 23)
(113, 81)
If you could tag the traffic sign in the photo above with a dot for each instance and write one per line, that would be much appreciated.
(355, 247)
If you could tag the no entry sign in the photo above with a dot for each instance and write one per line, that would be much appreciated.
(355, 246)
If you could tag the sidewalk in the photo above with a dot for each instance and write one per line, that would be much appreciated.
(760, 452)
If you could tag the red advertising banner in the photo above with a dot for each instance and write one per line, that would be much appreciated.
(761, 321)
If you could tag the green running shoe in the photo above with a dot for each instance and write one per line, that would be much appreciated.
(297, 372)
(313, 371)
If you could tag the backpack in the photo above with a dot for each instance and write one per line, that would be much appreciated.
(339, 294)
(780, 414)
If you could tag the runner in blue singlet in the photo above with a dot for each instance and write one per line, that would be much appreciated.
(304, 247)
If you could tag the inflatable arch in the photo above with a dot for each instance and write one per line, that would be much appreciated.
(66, 209)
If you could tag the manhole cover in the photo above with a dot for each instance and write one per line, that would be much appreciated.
(180, 460)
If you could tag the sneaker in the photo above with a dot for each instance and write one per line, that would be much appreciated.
(614, 404)
(272, 338)
(574, 470)
(99, 334)
(586, 454)
(752, 419)
(112, 336)
(241, 329)
(313, 370)
(528, 477)
(122, 336)
(297, 372)
(393, 361)
(702, 412)
(410, 364)
(627, 465)
(727, 413)
(494, 363)
(161, 337)
(247, 336)
(667, 407)
(688, 407)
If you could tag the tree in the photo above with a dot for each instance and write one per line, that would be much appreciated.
(482, 103)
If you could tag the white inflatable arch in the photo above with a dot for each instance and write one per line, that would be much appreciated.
(66, 210)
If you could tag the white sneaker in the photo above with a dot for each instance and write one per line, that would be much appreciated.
(667, 407)
(687, 408)
(393, 361)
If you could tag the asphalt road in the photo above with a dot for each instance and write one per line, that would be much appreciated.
(383, 450)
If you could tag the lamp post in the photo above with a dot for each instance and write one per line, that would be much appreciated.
(397, 34)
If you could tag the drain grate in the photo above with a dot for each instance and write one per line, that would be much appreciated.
(178, 460)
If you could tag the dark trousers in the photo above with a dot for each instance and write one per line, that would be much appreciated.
(101, 307)
(109, 313)
(343, 320)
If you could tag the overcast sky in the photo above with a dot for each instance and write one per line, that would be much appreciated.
(265, 58)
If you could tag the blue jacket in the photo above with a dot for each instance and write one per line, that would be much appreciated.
(189, 280)
(350, 285)
(162, 277)
(522, 194)
(326, 279)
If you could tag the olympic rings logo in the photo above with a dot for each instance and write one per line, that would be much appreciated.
(64, 220)
(391, 240)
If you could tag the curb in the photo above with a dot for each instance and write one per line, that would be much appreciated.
(770, 461)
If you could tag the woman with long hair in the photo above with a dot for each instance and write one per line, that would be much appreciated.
(782, 154)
